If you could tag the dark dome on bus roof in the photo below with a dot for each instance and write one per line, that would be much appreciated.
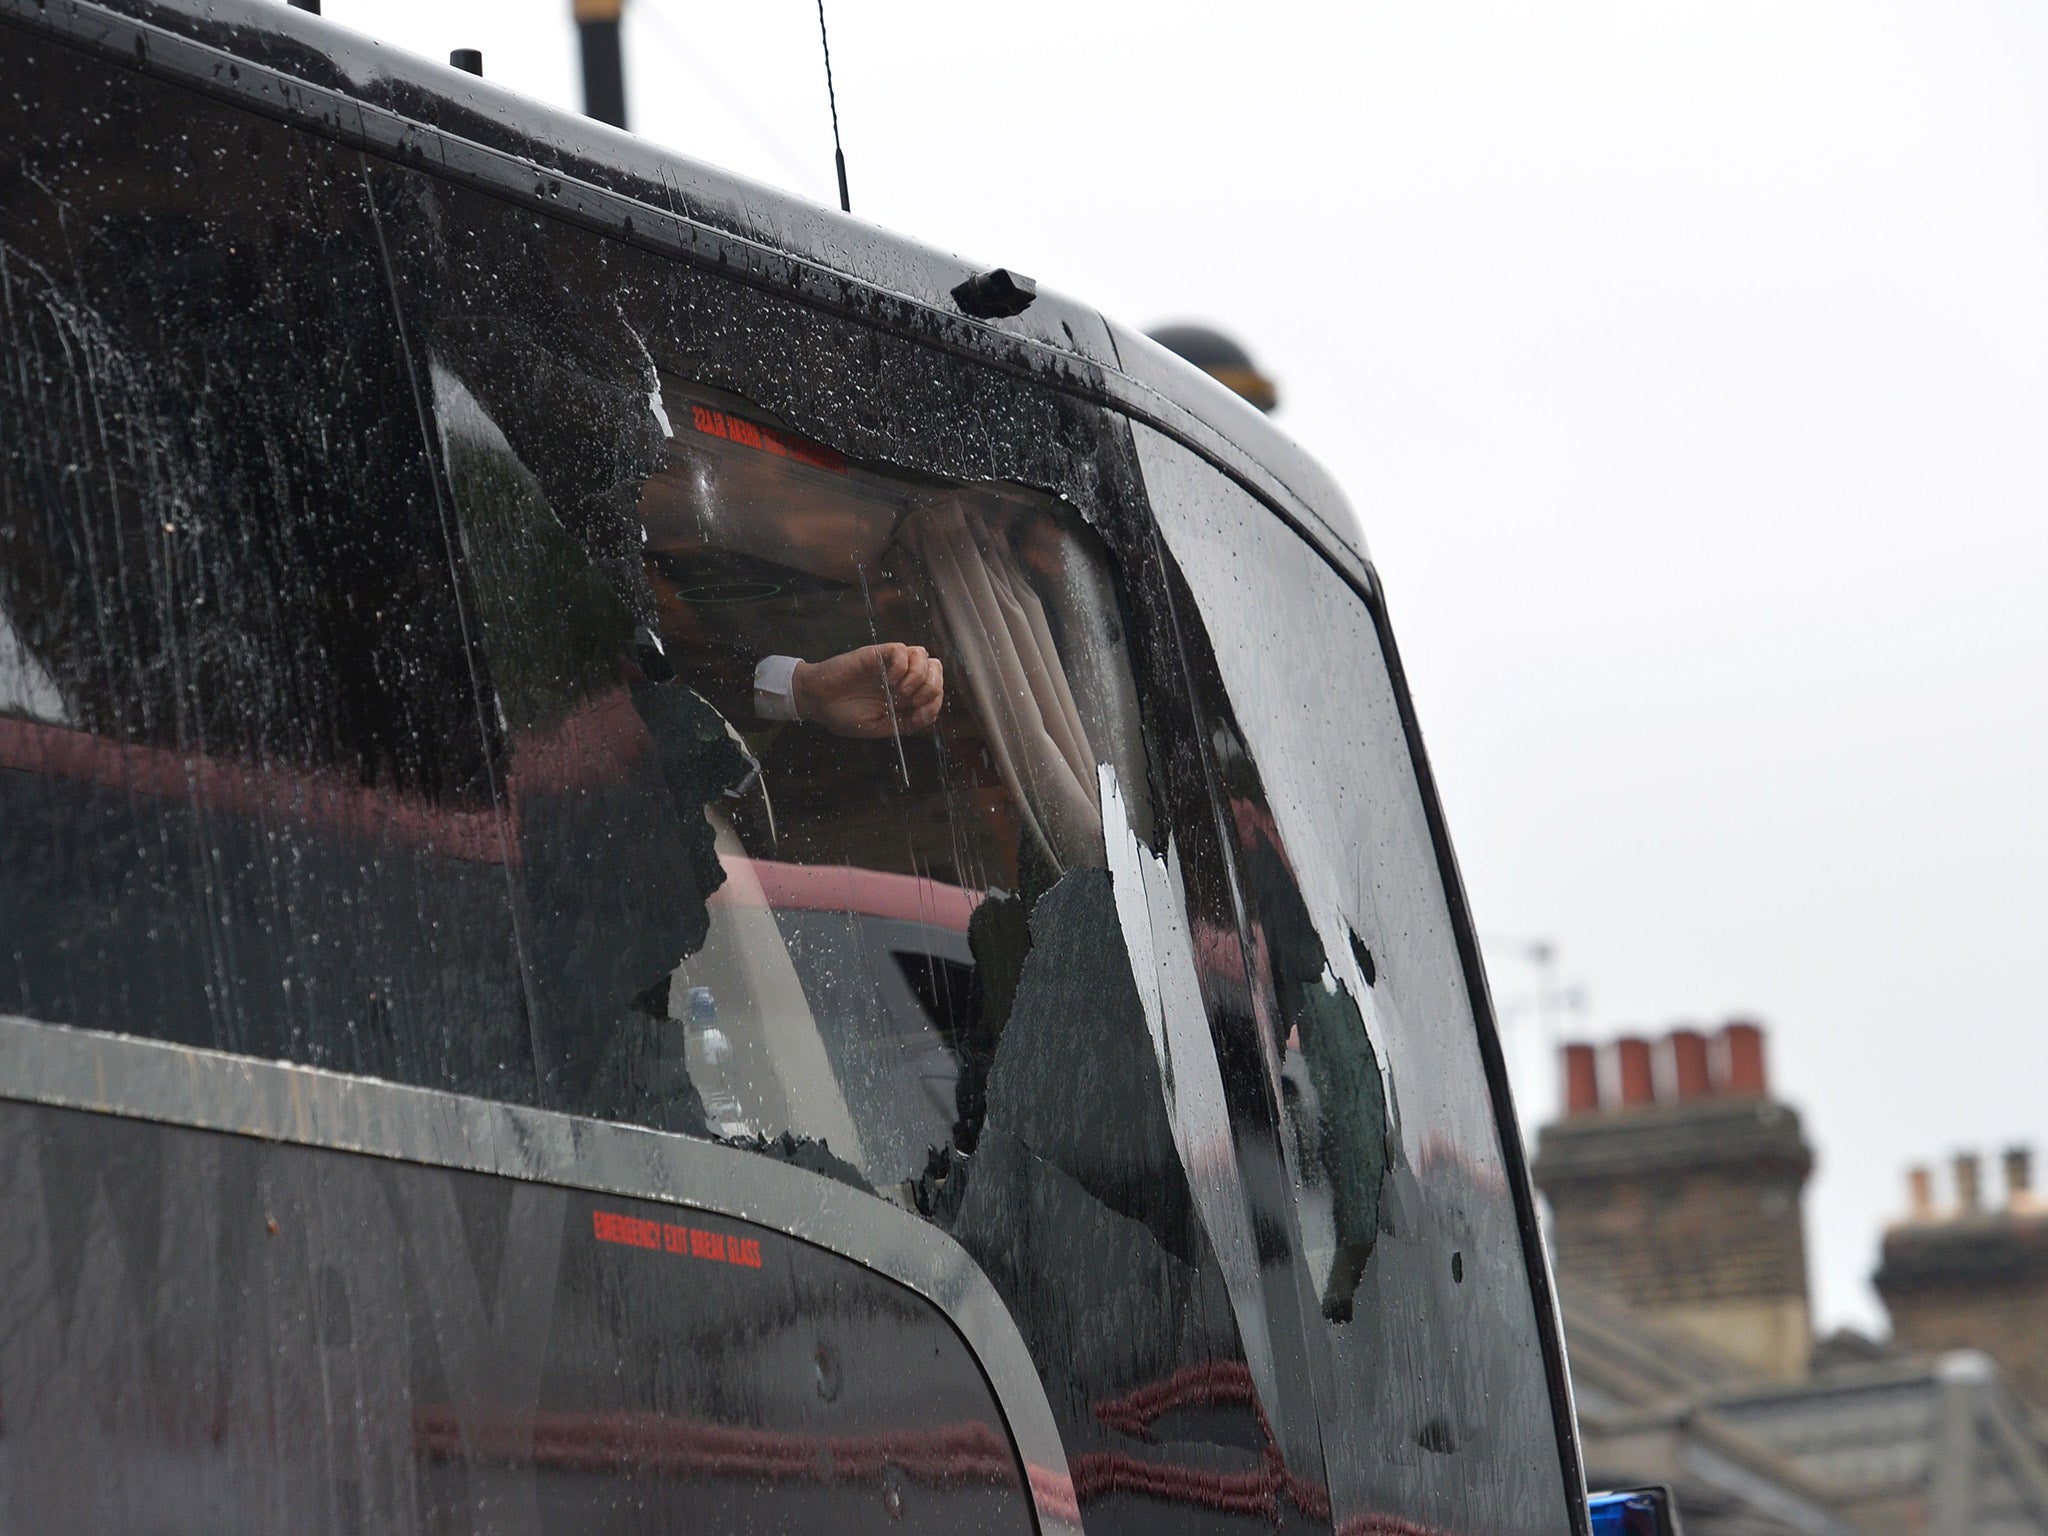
(1221, 358)
(1201, 346)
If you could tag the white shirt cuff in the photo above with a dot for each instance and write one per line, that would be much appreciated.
(775, 687)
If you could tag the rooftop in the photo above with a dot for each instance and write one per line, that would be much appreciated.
(1876, 1440)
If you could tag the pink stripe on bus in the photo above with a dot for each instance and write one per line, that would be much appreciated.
(785, 887)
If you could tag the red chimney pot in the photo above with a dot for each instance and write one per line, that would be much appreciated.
(1633, 1053)
(1581, 1080)
(1689, 1075)
(1744, 1061)
(1920, 1193)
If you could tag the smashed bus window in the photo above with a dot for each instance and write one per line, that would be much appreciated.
(816, 788)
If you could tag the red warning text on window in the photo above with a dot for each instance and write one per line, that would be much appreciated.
(667, 1237)
(749, 434)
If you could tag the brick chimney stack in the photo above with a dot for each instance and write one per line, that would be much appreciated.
(1674, 1181)
(1974, 1275)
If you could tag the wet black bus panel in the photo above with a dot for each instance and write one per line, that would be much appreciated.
(399, 590)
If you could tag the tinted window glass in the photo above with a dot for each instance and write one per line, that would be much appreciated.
(247, 795)
(212, 1334)
(1429, 1366)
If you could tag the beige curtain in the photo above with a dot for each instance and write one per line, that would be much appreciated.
(998, 643)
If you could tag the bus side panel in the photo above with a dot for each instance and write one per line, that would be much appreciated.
(208, 1333)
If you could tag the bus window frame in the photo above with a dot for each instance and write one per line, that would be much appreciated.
(558, 193)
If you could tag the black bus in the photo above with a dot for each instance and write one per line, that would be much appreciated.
(660, 873)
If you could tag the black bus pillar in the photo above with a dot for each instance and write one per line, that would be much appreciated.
(604, 69)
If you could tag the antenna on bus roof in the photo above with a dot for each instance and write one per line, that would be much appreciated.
(838, 154)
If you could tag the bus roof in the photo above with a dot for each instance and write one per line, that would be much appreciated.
(329, 79)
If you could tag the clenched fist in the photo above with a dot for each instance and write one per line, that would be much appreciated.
(871, 691)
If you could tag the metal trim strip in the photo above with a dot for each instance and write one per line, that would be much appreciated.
(139, 1079)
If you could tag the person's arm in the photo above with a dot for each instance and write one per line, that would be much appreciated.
(877, 690)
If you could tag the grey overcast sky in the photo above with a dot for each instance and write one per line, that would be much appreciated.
(1688, 366)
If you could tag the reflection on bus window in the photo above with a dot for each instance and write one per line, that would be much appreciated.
(780, 835)
(246, 790)
(1423, 1367)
